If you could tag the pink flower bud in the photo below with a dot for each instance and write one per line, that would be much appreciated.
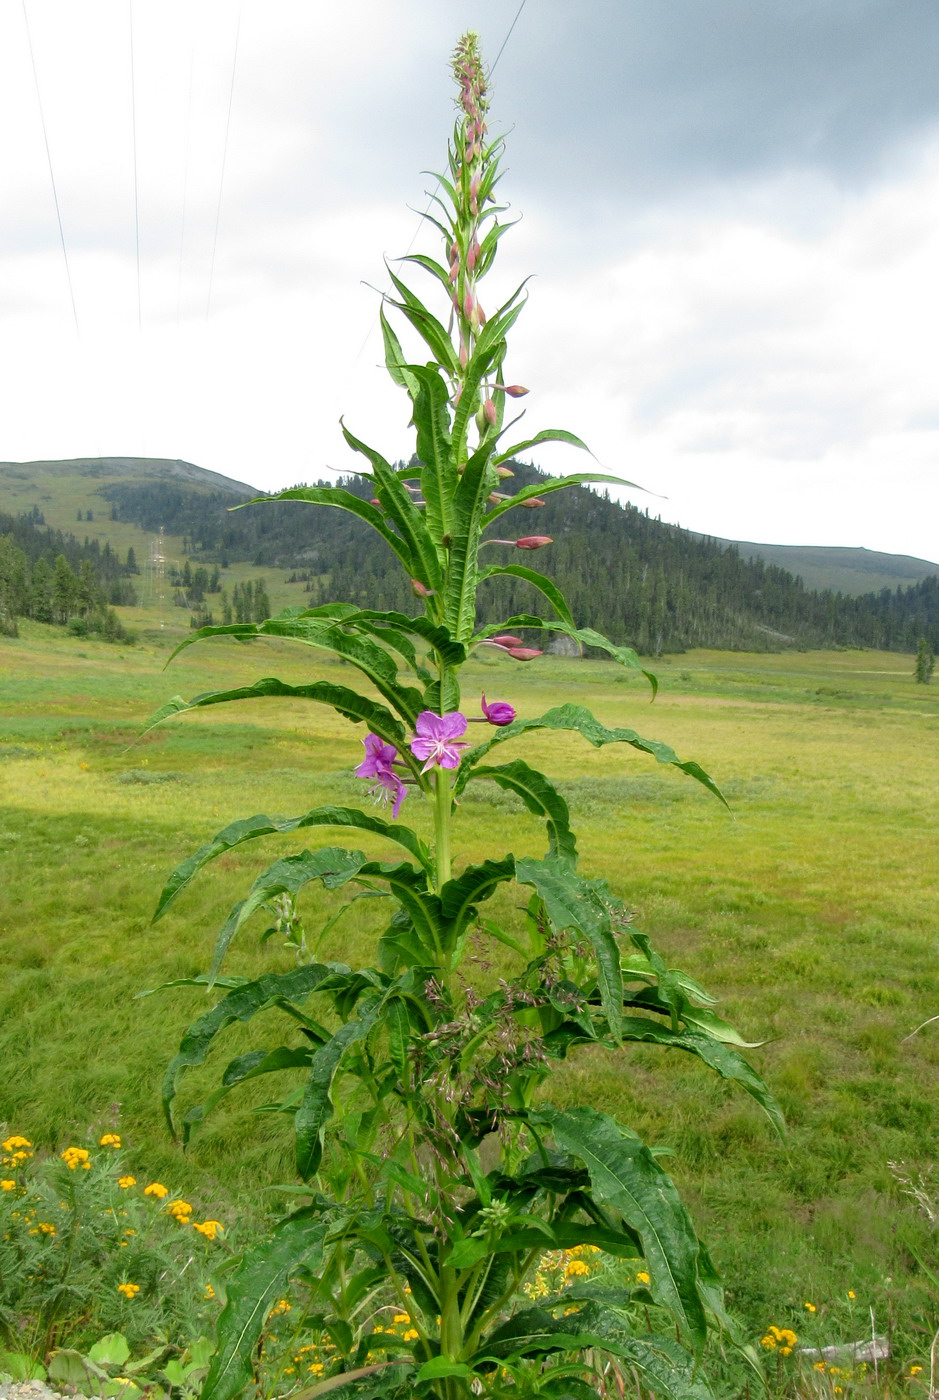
(533, 541)
(469, 306)
(489, 409)
(458, 395)
(474, 187)
(515, 391)
(464, 354)
(532, 502)
(498, 712)
(375, 502)
(421, 590)
(507, 640)
(495, 497)
(524, 653)
(454, 251)
(469, 155)
(454, 271)
(473, 254)
(481, 315)
(504, 472)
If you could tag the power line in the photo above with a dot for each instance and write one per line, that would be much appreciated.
(133, 123)
(221, 183)
(508, 36)
(55, 196)
(182, 229)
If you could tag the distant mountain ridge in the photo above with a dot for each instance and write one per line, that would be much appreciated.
(838, 567)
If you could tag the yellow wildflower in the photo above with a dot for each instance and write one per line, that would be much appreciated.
(643, 1277)
(7, 1185)
(768, 1342)
(810, 1307)
(12, 1143)
(280, 1307)
(402, 1317)
(209, 1291)
(851, 1293)
(46, 1227)
(209, 1228)
(156, 1188)
(125, 1181)
(109, 1140)
(411, 1335)
(74, 1157)
(915, 1370)
(818, 1366)
(129, 1290)
(15, 1158)
(785, 1351)
(574, 1267)
(181, 1210)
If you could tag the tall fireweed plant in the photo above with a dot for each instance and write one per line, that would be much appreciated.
(439, 1172)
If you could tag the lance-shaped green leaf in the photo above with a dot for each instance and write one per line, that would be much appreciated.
(326, 633)
(250, 828)
(430, 265)
(344, 701)
(459, 897)
(343, 500)
(316, 1107)
(543, 488)
(698, 1018)
(452, 653)
(718, 1056)
(546, 435)
(396, 500)
(540, 796)
(433, 334)
(624, 1174)
(251, 1066)
(410, 888)
(251, 1293)
(333, 865)
(481, 363)
(544, 585)
(434, 448)
(578, 718)
(663, 1367)
(586, 636)
(575, 903)
(395, 362)
(469, 502)
(241, 1004)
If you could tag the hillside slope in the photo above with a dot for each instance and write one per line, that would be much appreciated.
(636, 578)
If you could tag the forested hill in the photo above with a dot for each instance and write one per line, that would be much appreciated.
(655, 586)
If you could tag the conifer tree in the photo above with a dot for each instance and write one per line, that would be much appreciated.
(925, 662)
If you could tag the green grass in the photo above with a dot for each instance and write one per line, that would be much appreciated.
(809, 909)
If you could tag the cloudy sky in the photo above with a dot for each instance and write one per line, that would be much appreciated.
(730, 208)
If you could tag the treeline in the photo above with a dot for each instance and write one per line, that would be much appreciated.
(52, 577)
(629, 575)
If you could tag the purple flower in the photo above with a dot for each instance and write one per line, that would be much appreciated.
(438, 739)
(499, 712)
(378, 759)
(376, 764)
(389, 788)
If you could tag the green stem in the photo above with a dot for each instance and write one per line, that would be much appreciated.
(442, 825)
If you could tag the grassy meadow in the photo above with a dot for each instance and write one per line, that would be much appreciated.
(809, 909)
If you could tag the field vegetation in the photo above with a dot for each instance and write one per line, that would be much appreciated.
(809, 908)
